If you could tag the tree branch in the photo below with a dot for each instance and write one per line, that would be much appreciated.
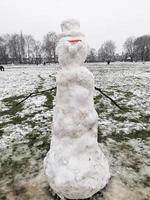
(113, 101)
(35, 94)
(54, 88)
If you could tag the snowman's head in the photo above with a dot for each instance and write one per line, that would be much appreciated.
(72, 48)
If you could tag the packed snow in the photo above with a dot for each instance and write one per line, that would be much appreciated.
(75, 165)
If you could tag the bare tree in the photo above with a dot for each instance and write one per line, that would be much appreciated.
(92, 55)
(49, 46)
(38, 52)
(4, 49)
(142, 48)
(107, 51)
(29, 46)
(16, 45)
(21, 47)
(13, 47)
(129, 47)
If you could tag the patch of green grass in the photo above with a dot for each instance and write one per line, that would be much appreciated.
(121, 136)
(42, 142)
(134, 167)
(147, 181)
(19, 120)
(97, 99)
(1, 131)
(138, 134)
(49, 101)
(40, 85)
(3, 124)
(11, 102)
(49, 95)
(135, 164)
(145, 118)
(10, 167)
(125, 146)
(24, 158)
(13, 110)
(100, 137)
(120, 118)
(100, 105)
(33, 137)
(118, 136)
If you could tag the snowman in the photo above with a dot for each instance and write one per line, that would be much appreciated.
(75, 165)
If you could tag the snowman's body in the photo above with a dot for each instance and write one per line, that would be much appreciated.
(75, 165)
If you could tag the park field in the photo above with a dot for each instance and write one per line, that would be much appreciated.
(123, 134)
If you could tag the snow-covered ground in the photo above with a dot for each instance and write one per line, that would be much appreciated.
(124, 135)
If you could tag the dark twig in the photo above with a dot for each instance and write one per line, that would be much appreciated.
(98, 89)
(35, 94)
(53, 88)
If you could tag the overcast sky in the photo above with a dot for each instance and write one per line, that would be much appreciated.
(100, 20)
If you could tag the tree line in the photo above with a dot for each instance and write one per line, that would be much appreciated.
(134, 49)
(24, 49)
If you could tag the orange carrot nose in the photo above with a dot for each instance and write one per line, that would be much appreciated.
(74, 40)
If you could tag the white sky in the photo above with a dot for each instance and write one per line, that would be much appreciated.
(100, 20)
